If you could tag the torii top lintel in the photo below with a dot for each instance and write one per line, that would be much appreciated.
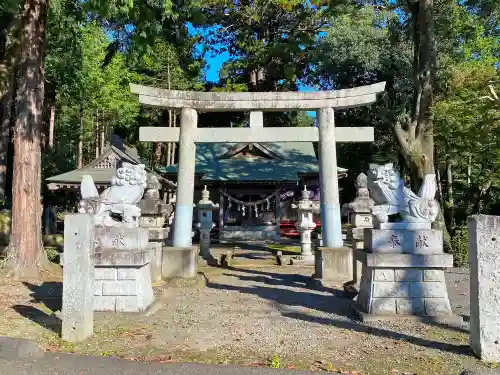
(258, 101)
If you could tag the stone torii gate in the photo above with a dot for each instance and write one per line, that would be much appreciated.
(324, 102)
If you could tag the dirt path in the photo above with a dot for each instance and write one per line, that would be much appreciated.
(248, 316)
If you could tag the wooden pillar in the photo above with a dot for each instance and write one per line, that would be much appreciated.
(221, 210)
(278, 213)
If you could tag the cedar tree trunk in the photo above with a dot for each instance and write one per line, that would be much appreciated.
(26, 255)
(8, 66)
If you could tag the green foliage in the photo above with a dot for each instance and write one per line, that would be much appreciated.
(275, 362)
(52, 254)
(460, 244)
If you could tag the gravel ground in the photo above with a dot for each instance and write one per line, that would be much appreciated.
(248, 316)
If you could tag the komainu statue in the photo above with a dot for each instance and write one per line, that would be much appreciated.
(392, 197)
(121, 198)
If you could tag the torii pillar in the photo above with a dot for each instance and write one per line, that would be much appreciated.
(188, 135)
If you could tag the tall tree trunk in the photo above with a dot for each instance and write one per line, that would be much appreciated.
(8, 66)
(414, 132)
(26, 249)
(80, 139)
(450, 201)
(103, 130)
(97, 133)
(6, 115)
(470, 193)
(51, 125)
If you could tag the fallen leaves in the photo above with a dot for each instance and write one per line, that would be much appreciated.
(162, 358)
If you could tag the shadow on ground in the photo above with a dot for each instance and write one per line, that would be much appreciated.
(47, 321)
(50, 295)
(333, 303)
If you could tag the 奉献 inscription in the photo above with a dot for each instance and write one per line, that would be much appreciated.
(394, 241)
(421, 241)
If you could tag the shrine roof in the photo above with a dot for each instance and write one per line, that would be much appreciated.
(279, 162)
(102, 169)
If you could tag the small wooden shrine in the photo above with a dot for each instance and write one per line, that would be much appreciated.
(248, 179)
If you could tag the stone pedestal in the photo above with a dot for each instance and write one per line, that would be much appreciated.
(179, 262)
(403, 273)
(333, 264)
(157, 240)
(153, 214)
(484, 248)
(360, 217)
(122, 280)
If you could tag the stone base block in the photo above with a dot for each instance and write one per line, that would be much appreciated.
(443, 319)
(179, 262)
(403, 291)
(122, 289)
(382, 260)
(333, 263)
(402, 241)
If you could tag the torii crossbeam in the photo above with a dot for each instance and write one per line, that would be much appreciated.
(324, 102)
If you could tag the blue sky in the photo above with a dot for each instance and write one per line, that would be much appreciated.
(214, 63)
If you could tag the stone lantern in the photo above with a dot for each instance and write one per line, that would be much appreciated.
(305, 224)
(205, 224)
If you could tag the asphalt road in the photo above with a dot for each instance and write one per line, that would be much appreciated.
(67, 364)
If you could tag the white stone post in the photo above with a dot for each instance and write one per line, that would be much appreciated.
(331, 228)
(484, 261)
(78, 278)
(205, 225)
(183, 223)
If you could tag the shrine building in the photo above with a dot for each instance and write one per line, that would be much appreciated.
(247, 179)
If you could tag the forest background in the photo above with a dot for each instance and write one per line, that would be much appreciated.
(66, 66)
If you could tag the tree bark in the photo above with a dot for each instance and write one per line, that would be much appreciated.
(450, 201)
(80, 139)
(102, 135)
(26, 256)
(414, 132)
(51, 125)
(8, 66)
